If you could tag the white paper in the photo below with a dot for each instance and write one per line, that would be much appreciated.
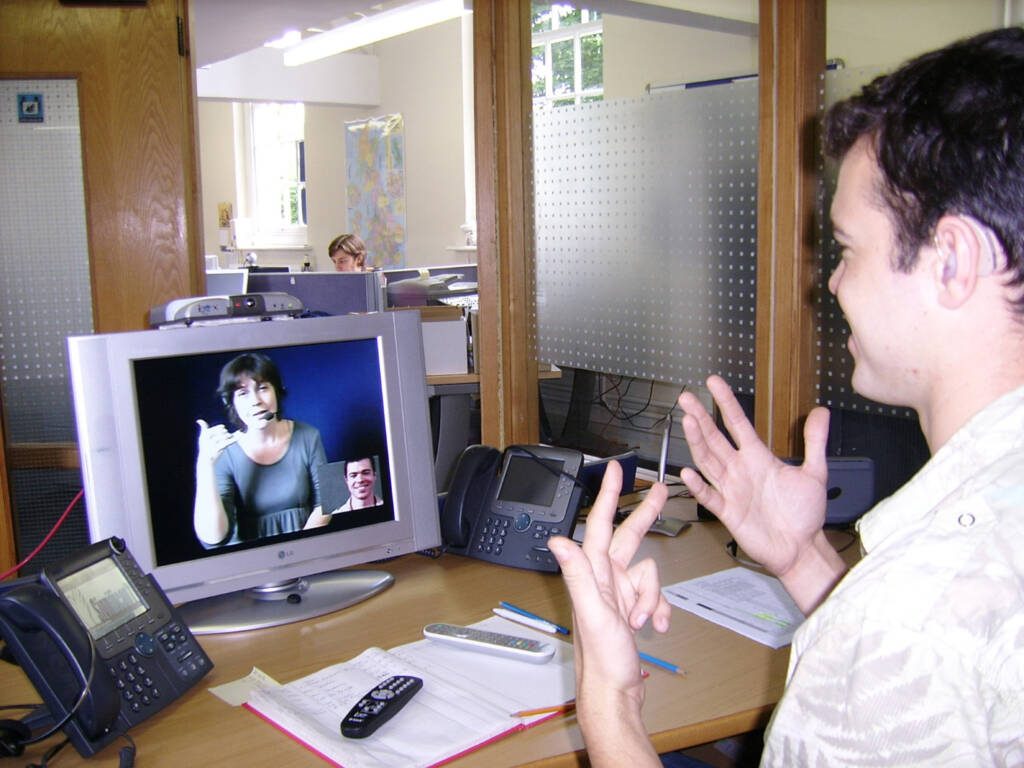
(467, 698)
(750, 603)
(236, 692)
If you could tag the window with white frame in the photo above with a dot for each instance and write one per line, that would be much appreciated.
(568, 55)
(272, 173)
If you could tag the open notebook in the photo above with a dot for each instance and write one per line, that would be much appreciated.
(466, 702)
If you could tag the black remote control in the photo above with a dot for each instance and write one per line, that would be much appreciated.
(379, 705)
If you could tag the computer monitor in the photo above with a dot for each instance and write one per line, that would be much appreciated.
(227, 282)
(357, 380)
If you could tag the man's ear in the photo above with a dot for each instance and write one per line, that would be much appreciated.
(959, 251)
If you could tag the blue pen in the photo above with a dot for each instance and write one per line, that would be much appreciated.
(523, 612)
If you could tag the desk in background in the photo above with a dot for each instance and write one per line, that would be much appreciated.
(731, 686)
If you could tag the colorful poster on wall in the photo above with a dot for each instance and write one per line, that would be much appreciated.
(375, 156)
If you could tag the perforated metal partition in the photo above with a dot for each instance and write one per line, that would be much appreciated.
(646, 225)
(646, 235)
(44, 297)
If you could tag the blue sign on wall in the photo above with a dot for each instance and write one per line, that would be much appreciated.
(30, 107)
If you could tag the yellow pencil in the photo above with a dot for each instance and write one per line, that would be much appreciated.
(569, 706)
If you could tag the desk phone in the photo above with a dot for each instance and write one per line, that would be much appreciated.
(101, 644)
(503, 507)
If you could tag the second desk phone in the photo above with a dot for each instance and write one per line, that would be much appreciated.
(502, 507)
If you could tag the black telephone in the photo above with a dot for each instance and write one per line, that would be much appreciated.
(503, 507)
(101, 644)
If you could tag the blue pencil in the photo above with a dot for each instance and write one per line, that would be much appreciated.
(523, 612)
(667, 665)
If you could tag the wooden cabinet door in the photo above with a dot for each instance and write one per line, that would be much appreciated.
(136, 101)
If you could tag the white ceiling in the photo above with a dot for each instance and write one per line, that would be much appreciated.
(225, 28)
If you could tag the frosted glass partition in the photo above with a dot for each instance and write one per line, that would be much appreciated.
(45, 296)
(45, 293)
(646, 235)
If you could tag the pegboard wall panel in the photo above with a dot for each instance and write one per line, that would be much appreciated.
(835, 365)
(646, 235)
(44, 297)
(45, 293)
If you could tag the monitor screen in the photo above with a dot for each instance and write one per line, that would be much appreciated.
(230, 457)
(529, 480)
(227, 282)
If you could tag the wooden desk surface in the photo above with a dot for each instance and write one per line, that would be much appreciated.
(731, 685)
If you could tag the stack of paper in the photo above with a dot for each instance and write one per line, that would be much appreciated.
(753, 604)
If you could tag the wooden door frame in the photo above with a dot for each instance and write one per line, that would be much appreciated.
(791, 65)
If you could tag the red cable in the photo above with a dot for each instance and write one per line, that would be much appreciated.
(46, 539)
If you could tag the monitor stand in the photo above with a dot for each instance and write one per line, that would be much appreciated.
(283, 602)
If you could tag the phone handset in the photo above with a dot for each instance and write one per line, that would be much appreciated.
(472, 480)
(46, 624)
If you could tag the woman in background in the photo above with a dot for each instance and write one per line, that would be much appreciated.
(348, 252)
(262, 479)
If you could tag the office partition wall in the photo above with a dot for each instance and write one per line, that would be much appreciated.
(45, 295)
(646, 234)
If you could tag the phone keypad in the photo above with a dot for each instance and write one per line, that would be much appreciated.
(491, 538)
(134, 682)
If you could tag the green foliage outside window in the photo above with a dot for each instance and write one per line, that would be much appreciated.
(567, 55)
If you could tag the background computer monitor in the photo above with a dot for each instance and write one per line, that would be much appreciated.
(227, 282)
(358, 379)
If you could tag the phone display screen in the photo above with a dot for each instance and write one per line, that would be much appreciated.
(102, 597)
(526, 481)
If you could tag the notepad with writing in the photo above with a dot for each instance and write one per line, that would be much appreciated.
(466, 702)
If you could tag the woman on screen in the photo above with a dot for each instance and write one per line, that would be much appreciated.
(260, 480)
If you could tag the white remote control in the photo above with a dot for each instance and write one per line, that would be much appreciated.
(523, 648)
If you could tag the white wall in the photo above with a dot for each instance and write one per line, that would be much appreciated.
(884, 33)
(216, 166)
(878, 33)
(420, 77)
(641, 53)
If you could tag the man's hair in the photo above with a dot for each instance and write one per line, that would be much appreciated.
(947, 130)
(358, 459)
(255, 366)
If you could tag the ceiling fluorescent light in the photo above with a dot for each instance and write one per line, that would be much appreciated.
(372, 29)
(287, 40)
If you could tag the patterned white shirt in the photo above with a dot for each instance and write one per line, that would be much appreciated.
(917, 656)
